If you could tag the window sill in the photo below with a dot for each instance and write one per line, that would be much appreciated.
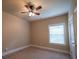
(57, 44)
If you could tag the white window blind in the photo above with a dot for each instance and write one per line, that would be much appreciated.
(56, 34)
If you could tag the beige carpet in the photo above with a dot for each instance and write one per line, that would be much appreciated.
(36, 53)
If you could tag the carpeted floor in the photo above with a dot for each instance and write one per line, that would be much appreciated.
(36, 53)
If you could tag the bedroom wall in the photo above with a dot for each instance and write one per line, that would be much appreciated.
(40, 34)
(15, 32)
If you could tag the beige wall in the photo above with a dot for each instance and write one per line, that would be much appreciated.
(40, 34)
(16, 32)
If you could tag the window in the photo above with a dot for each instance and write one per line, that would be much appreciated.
(57, 34)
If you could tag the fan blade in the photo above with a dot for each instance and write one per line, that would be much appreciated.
(36, 13)
(26, 6)
(39, 7)
(23, 12)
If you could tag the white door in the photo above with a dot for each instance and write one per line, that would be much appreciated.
(72, 38)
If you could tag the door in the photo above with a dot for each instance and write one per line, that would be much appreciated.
(75, 29)
(72, 38)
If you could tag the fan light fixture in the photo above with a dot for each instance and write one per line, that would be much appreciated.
(32, 10)
(31, 14)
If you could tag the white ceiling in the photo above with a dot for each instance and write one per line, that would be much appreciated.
(50, 8)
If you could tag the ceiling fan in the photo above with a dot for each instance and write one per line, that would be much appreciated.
(32, 10)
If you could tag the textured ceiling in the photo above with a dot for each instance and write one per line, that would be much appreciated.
(50, 8)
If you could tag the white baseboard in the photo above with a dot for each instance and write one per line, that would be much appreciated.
(52, 49)
(42, 47)
(14, 50)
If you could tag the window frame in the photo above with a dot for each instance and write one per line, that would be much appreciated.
(64, 33)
